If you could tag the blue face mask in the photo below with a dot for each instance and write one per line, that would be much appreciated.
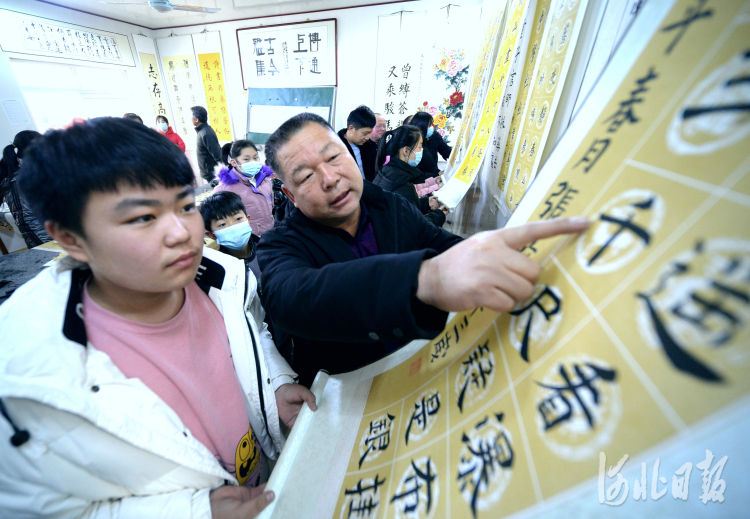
(416, 160)
(430, 131)
(163, 127)
(235, 236)
(250, 169)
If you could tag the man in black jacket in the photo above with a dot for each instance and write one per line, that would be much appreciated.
(354, 272)
(209, 151)
(356, 138)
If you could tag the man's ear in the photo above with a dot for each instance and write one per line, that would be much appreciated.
(71, 242)
(288, 194)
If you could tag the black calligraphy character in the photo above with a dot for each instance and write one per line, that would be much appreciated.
(739, 81)
(300, 41)
(151, 71)
(423, 409)
(270, 49)
(388, 108)
(557, 408)
(314, 66)
(625, 112)
(475, 371)
(405, 71)
(257, 48)
(315, 40)
(156, 90)
(404, 89)
(547, 313)
(367, 501)
(390, 91)
(557, 209)
(402, 109)
(705, 307)
(597, 148)
(487, 456)
(272, 67)
(691, 15)
(625, 224)
(260, 67)
(414, 483)
(379, 436)
(392, 72)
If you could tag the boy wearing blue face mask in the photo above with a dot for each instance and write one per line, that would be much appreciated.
(247, 177)
(226, 221)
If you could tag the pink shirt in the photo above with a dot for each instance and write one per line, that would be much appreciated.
(188, 363)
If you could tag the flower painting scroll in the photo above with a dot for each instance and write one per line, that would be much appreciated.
(452, 71)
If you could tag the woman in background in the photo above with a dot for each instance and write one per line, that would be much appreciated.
(162, 125)
(250, 179)
(31, 229)
(433, 144)
(404, 147)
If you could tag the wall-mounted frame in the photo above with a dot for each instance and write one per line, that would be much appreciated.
(36, 36)
(289, 55)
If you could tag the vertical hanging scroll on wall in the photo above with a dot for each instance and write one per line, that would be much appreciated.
(152, 77)
(183, 82)
(288, 55)
(207, 47)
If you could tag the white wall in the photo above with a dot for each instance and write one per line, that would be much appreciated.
(357, 30)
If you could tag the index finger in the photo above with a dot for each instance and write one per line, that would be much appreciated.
(522, 235)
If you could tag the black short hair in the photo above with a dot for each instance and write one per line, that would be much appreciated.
(62, 168)
(220, 205)
(285, 132)
(225, 152)
(11, 153)
(200, 113)
(239, 145)
(130, 116)
(423, 121)
(361, 117)
(163, 117)
(393, 140)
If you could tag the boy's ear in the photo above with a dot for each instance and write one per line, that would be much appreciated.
(71, 242)
(289, 195)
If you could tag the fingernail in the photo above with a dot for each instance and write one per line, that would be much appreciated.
(269, 496)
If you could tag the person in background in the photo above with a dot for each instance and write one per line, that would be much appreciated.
(31, 229)
(251, 180)
(379, 129)
(207, 148)
(226, 221)
(225, 149)
(130, 116)
(356, 138)
(404, 147)
(139, 382)
(433, 144)
(354, 272)
(162, 126)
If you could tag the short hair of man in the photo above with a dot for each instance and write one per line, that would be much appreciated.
(284, 133)
(423, 121)
(63, 167)
(130, 116)
(394, 140)
(239, 145)
(220, 205)
(200, 113)
(162, 118)
(361, 117)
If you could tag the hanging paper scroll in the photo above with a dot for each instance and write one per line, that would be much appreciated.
(27, 34)
(620, 386)
(155, 86)
(216, 101)
(289, 55)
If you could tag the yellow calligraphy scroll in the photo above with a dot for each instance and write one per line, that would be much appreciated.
(212, 74)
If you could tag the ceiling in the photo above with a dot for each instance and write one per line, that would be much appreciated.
(139, 13)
